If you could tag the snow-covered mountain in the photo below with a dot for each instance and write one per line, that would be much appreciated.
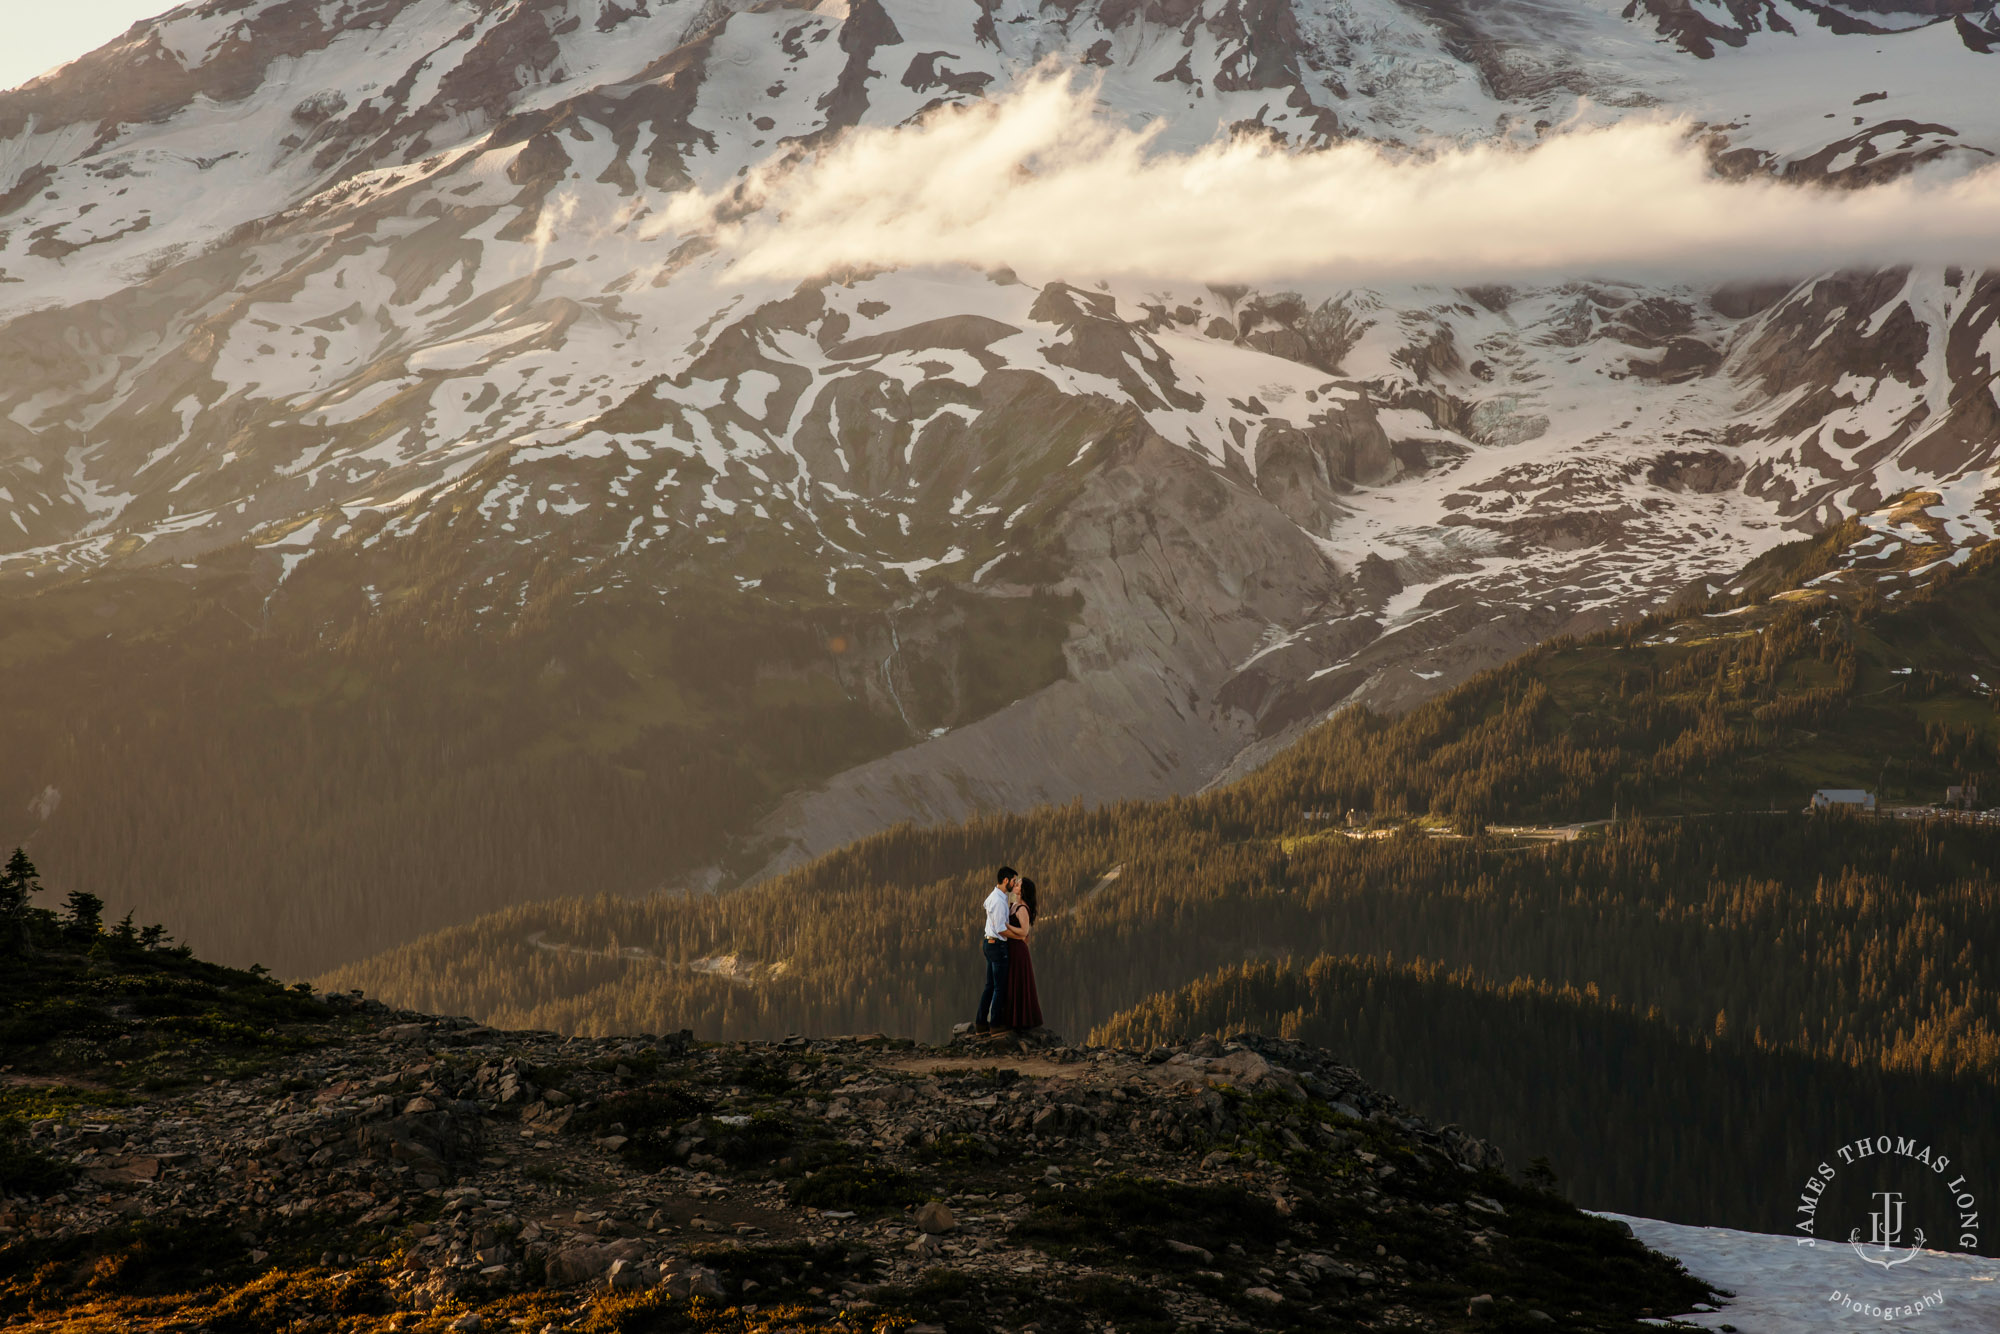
(322, 289)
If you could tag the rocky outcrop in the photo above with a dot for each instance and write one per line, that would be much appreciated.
(439, 1168)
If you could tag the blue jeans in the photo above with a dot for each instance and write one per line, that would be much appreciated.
(993, 1000)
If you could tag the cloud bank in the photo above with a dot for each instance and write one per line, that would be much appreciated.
(1036, 182)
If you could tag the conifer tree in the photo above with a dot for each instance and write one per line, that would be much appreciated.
(84, 918)
(19, 881)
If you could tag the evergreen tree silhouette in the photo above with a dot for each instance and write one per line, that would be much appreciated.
(84, 915)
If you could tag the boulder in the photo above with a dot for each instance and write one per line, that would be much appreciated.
(627, 1275)
(578, 1264)
(1249, 1070)
(693, 1281)
(425, 1139)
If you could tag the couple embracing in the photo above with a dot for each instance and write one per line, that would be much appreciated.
(1009, 1000)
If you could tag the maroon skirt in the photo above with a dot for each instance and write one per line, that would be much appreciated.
(1024, 1007)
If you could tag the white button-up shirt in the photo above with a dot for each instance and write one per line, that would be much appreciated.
(999, 912)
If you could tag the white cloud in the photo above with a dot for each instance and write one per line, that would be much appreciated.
(1036, 182)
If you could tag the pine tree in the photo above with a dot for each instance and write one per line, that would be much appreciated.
(85, 915)
(18, 882)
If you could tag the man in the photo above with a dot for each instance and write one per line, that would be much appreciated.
(999, 916)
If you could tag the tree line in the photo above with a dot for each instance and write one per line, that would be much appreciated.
(1862, 941)
(1718, 1129)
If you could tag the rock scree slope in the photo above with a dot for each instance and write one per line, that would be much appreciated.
(327, 1162)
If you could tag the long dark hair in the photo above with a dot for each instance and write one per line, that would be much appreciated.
(1028, 898)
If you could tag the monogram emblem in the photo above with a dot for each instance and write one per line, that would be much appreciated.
(1885, 1230)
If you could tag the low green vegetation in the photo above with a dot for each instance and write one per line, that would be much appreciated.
(960, 1150)
(857, 1186)
(93, 1016)
(25, 1170)
(1132, 1220)
(125, 1003)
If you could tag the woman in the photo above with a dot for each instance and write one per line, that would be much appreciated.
(1024, 1007)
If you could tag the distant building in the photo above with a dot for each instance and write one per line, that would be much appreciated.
(1962, 798)
(1846, 798)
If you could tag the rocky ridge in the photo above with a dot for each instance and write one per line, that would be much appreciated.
(396, 1171)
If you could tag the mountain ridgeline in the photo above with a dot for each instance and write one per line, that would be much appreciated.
(1805, 972)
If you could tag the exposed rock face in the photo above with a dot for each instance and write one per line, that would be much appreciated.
(291, 283)
(1700, 31)
(1182, 572)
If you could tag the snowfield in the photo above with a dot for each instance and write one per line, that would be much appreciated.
(1783, 1287)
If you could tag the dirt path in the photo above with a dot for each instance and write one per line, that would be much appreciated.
(1038, 1067)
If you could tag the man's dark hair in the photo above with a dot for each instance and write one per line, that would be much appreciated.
(1005, 874)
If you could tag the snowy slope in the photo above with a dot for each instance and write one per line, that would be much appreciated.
(309, 276)
(1782, 1287)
